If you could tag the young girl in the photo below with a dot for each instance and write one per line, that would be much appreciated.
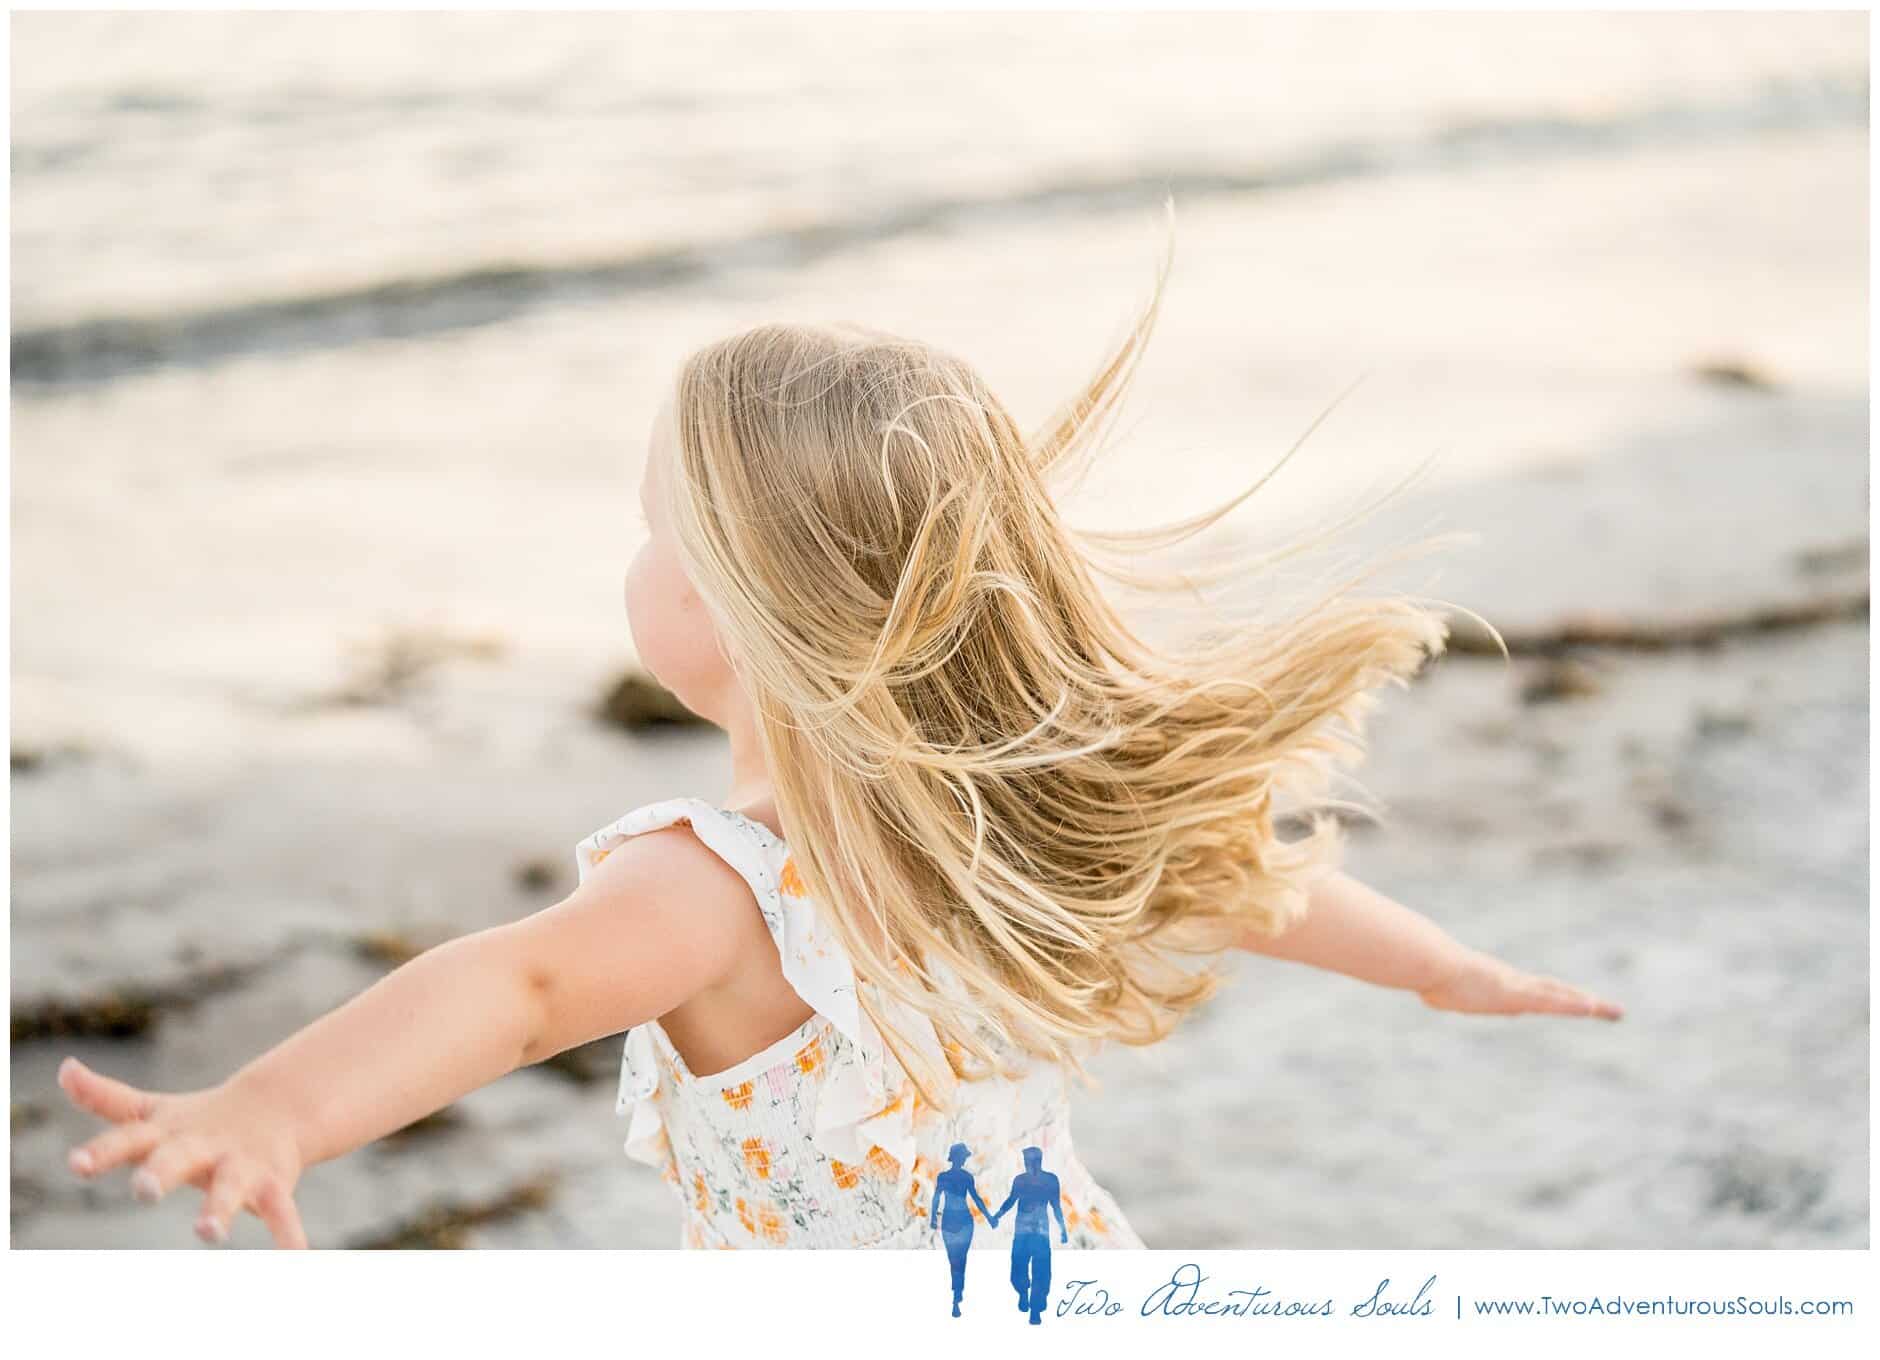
(975, 826)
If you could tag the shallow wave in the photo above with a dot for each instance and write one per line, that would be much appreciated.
(478, 293)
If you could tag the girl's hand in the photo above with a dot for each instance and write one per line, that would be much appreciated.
(1484, 985)
(224, 1143)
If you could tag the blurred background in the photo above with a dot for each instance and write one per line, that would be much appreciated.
(336, 339)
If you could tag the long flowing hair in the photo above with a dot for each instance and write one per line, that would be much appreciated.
(1025, 821)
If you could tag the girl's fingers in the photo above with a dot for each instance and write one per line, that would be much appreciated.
(1554, 998)
(1603, 1009)
(114, 1147)
(1560, 998)
(169, 1166)
(103, 1096)
(276, 1208)
(229, 1187)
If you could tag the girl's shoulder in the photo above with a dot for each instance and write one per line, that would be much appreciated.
(721, 857)
(810, 953)
(674, 869)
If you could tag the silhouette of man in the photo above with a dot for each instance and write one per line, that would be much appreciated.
(952, 1188)
(1034, 1190)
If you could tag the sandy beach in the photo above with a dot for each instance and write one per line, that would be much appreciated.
(1691, 837)
(309, 634)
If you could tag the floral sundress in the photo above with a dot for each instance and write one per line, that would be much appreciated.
(820, 1139)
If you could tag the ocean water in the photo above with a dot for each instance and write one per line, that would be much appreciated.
(205, 163)
(326, 324)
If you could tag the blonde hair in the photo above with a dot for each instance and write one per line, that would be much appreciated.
(1024, 821)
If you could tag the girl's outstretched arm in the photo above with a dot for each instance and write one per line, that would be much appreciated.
(652, 925)
(1351, 929)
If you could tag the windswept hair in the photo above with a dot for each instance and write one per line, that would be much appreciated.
(1024, 820)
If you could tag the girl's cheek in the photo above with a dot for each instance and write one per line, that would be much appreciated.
(671, 629)
(646, 610)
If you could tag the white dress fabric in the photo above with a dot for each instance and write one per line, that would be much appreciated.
(820, 1139)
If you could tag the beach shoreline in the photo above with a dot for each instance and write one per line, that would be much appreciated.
(1604, 832)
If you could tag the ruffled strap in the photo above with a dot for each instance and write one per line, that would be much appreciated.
(814, 962)
(869, 1103)
(639, 1092)
(866, 1101)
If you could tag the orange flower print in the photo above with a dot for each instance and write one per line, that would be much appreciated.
(790, 880)
(883, 1163)
(916, 1188)
(738, 1097)
(809, 1058)
(744, 1217)
(845, 1175)
(701, 1199)
(757, 1158)
(1071, 1217)
(600, 855)
(1096, 1221)
(771, 1222)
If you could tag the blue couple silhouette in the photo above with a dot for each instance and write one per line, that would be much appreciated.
(1034, 1191)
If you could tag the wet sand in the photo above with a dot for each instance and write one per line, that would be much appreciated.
(1690, 837)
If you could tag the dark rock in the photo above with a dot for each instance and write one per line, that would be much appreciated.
(28, 1114)
(129, 1011)
(114, 1015)
(438, 1121)
(1736, 373)
(29, 1195)
(637, 700)
(32, 759)
(1702, 632)
(1826, 559)
(1751, 1182)
(1586, 854)
(388, 667)
(1712, 723)
(1490, 732)
(1670, 814)
(537, 875)
(447, 1226)
(392, 947)
(1560, 679)
(585, 1064)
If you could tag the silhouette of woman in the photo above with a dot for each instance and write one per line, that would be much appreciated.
(951, 1189)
